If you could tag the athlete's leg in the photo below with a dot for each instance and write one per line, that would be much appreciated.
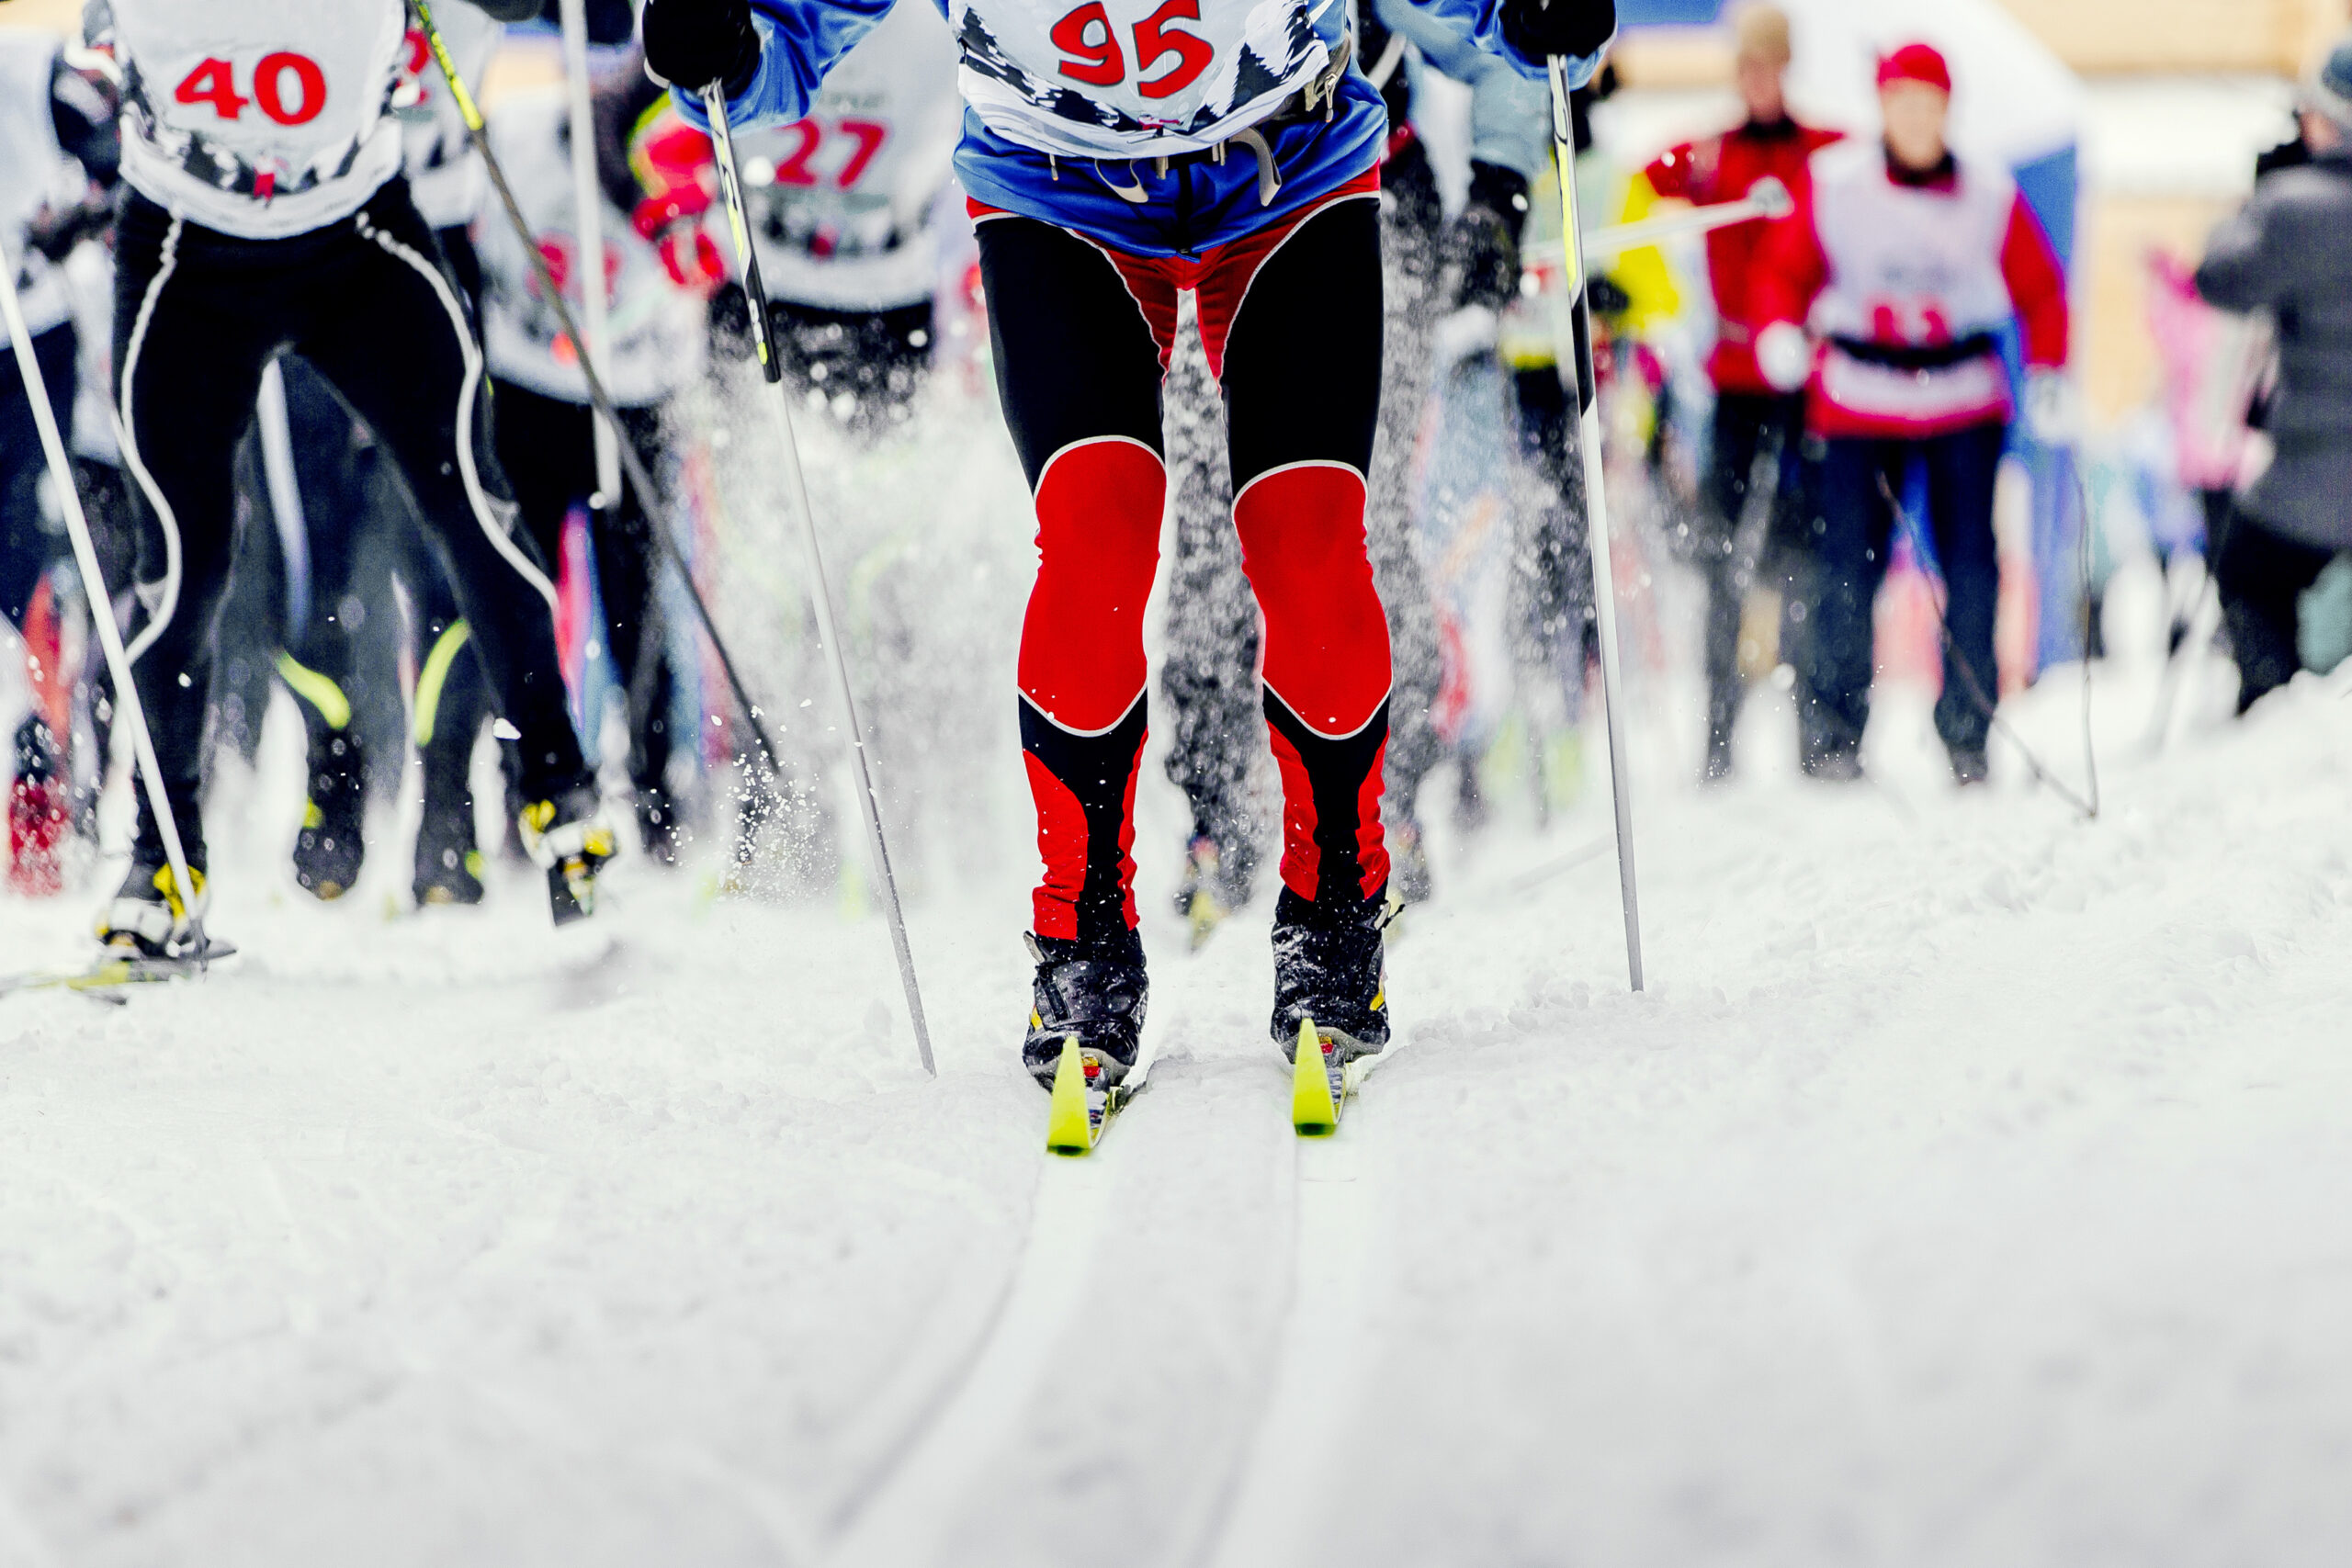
(1852, 529)
(1079, 368)
(1739, 425)
(1961, 468)
(197, 316)
(1296, 337)
(410, 366)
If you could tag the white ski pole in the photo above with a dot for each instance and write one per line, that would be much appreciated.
(94, 586)
(588, 232)
(1770, 201)
(731, 180)
(1604, 589)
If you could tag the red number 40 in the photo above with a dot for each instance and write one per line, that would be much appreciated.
(1087, 37)
(214, 82)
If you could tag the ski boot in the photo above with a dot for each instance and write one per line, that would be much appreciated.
(148, 918)
(1971, 766)
(1330, 972)
(572, 836)
(1214, 885)
(1095, 996)
(448, 863)
(40, 813)
(333, 844)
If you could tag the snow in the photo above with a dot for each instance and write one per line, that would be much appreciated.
(1967, 1189)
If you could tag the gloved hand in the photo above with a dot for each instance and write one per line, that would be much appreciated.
(1481, 247)
(55, 231)
(691, 43)
(1785, 355)
(1540, 27)
(2050, 413)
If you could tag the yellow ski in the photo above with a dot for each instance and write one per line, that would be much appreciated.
(1319, 1085)
(1081, 1113)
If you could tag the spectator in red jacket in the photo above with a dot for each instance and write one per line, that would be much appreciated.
(1884, 294)
(1753, 419)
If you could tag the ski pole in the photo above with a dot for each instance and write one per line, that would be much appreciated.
(634, 467)
(94, 585)
(1771, 201)
(631, 466)
(588, 204)
(730, 182)
(1604, 588)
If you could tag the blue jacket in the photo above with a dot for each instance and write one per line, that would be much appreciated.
(1200, 202)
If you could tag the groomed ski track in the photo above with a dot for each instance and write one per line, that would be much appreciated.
(1967, 1192)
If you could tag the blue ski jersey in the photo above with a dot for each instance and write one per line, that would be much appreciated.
(1066, 121)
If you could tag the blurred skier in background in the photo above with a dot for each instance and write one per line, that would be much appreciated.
(2289, 255)
(59, 157)
(1756, 426)
(248, 233)
(658, 275)
(844, 205)
(1101, 191)
(1906, 261)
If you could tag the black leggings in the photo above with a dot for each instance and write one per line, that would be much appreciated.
(2263, 575)
(548, 449)
(1290, 319)
(197, 316)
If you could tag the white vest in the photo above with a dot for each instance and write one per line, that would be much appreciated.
(34, 173)
(656, 329)
(1103, 80)
(842, 201)
(1910, 266)
(263, 119)
(445, 172)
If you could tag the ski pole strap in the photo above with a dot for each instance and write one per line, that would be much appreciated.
(731, 184)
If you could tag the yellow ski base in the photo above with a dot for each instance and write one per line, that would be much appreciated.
(1312, 1111)
(1070, 1130)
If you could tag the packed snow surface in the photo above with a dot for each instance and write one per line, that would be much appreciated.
(1971, 1187)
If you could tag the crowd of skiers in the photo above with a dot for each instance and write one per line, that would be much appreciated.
(330, 427)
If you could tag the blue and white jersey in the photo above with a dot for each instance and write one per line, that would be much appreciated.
(1071, 104)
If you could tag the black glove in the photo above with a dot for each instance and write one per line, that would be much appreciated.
(691, 43)
(1540, 27)
(1482, 245)
(57, 230)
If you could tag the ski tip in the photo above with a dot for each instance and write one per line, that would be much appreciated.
(1312, 1113)
(1070, 1130)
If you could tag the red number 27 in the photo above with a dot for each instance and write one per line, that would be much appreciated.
(214, 82)
(1087, 37)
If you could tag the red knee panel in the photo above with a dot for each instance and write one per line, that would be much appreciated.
(1098, 507)
(1326, 637)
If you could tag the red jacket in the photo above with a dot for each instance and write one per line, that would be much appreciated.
(1726, 168)
(1907, 281)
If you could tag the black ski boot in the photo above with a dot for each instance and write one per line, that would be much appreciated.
(148, 917)
(448, 862)
(657, 822)
(1329, 966)
(572, 836)
(331, 846)
(1096, 995)
(39, 812)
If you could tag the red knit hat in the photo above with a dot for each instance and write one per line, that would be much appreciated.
(1915, 63)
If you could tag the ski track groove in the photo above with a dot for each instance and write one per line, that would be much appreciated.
(1286, 1451)
(898, 1518)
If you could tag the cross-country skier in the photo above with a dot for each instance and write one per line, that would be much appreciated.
(59, 151)
(2289, 253)
(1907, 261)
(656, 296)
(1115, 160)
(1754, 421)
(268, 213)
(844, 210)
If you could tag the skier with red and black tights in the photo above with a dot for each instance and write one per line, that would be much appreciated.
(1111, 161)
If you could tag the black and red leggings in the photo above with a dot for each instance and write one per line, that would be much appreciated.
(1290, 317)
